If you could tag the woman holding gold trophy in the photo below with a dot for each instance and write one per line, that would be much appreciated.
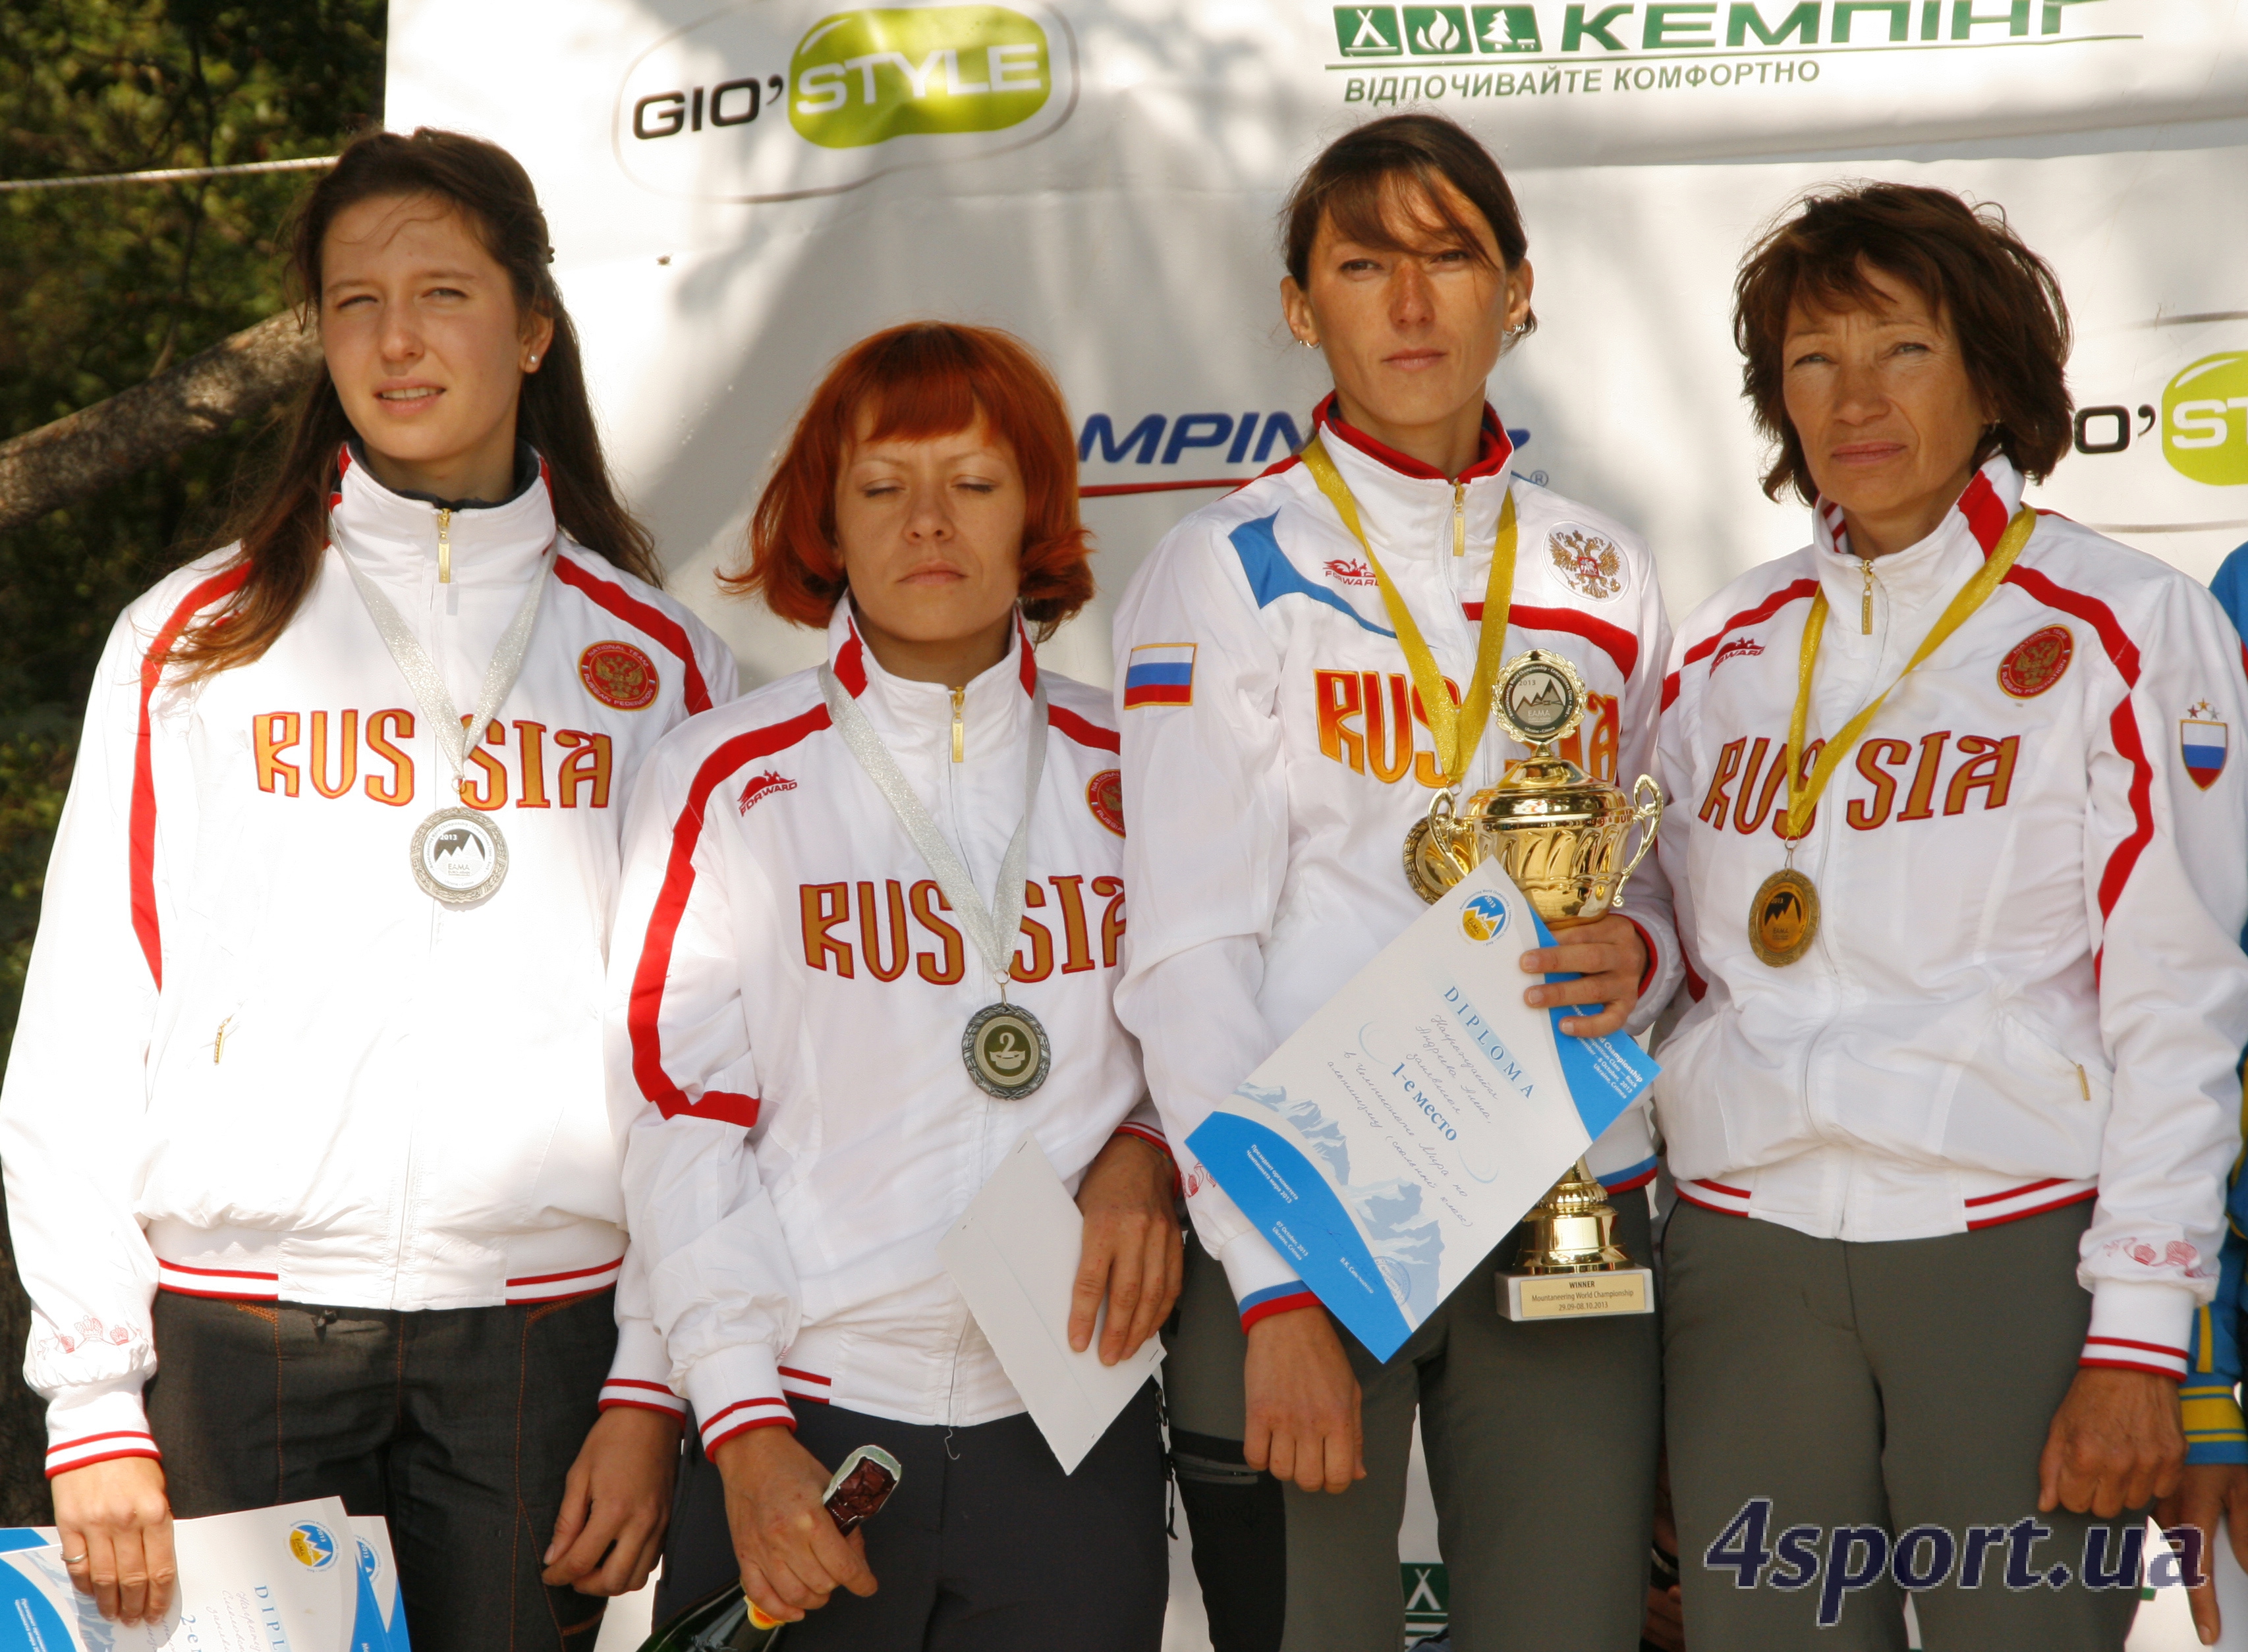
(1956, 856)
(1304, 667)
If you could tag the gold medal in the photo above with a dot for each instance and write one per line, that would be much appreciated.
(1783, 918)
(1433, 863)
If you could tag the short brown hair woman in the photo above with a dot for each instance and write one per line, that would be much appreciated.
(828, 1034)
(1951, 1116)
(309, 1166)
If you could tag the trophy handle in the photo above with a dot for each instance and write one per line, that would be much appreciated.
(1440, 834)
(1647, 814)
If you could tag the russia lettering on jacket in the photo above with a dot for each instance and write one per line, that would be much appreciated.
(297, 754)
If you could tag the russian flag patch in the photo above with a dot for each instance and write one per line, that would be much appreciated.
(1159, 674)
(2202, 742)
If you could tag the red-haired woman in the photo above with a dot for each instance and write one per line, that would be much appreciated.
(306, 1104)
(870, 927)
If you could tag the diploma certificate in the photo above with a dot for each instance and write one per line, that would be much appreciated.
(1409, 1124)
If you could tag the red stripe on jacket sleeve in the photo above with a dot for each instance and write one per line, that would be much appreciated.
(643, 616)
(2122, 726)
(1611, 640)
(643, 1015)
(141, 844)
(1084, 732)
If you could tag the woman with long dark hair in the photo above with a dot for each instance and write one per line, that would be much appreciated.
(308, 1164)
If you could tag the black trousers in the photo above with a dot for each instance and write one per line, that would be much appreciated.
(985, 1546)
(457, 1425)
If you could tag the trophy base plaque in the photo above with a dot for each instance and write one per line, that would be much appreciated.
(1576, 1296)
(1571, 1268)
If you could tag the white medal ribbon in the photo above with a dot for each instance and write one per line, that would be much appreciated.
(992, 929)
(453, 740)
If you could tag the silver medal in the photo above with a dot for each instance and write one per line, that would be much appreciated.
(1006, 1051)
(459, 856)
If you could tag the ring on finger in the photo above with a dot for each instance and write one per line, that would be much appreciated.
(73, 1559)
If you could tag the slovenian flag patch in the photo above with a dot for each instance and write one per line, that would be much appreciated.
(2202, 742)
(1159, 674)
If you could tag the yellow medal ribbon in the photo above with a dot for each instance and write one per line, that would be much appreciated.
(1803, 799)
(1456, 729)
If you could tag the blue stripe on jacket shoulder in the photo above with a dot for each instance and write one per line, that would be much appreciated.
(1271, 576)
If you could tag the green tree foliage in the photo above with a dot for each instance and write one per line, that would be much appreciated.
(100, 288)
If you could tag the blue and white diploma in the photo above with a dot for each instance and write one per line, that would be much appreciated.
(1408, 1126)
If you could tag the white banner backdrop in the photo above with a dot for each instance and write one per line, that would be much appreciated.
(739, 191)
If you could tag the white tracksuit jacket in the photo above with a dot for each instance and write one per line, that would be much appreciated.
(1272, 760)
(255, 1060)
(2025, 989)
(787, 999)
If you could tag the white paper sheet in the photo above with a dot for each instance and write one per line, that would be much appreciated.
(1014, 1256)
(279, 1579)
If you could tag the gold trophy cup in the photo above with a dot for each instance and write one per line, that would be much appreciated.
(1560, 834)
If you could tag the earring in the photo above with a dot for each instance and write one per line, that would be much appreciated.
(534, 361)
(1309, 343)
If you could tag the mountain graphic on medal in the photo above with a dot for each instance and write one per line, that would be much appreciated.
(459, 857)
(1541, 700)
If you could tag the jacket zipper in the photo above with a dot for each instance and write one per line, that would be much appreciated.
(219, 1043)
(1866, 612)
(959, 728)
(406, 1182)
(1459, 518)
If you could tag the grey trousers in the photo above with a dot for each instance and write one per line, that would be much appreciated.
(1893, 1386)
(1541, 1441)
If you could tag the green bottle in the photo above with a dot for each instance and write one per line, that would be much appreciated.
(724, 1621)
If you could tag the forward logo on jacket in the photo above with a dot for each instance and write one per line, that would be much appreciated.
(764, 785)
(2203, 742)
(1590, 564)
(1350, 570)
(2037, 661)
(618, 675)
(1739, 648)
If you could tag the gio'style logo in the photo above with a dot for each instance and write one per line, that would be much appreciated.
(1392, 31)
(2205, 420)
(778, 99)
(866, 77)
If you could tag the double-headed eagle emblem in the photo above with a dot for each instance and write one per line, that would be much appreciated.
(1591, 565)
